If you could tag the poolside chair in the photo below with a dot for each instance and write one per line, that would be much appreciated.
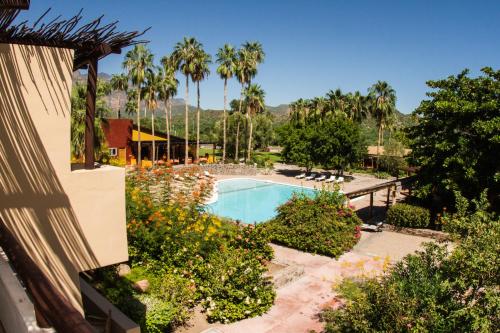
(207, 174)
(320, 178)
(302, 175)
(339, 180)
(331, 179)
(177, 177)
(311, 176)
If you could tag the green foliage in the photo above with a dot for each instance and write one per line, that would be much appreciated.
(456, 139)
(172, 236)
(321, 225)
(78, 112)
(334, 144)
(432, 290)
(405, 215)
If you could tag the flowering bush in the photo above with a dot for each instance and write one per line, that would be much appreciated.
(322, 225)
(217, 263)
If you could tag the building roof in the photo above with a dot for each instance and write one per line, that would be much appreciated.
(146, 137)
(372, 150)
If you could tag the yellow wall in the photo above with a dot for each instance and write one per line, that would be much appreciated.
(68, 221)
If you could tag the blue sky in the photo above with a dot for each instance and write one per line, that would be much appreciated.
(313, 46)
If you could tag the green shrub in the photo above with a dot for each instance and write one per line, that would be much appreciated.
(432, 290)
(321, 225)
(404, 215)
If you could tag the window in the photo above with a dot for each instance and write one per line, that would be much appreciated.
(113, 152)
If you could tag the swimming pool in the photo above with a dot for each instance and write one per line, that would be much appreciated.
(251, 200)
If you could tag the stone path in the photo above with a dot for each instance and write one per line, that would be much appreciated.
(298, 302)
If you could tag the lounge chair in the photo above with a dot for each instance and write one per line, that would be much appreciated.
(302, 175)
(311, 176)
(207, 174)
(331, 179)
(177, 177)
(320, 178)
(339, 180)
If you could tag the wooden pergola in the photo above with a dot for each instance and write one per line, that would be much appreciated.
(91, 42)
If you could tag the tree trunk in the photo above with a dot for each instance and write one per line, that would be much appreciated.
(224, 123)
(167, 104)
(198, 122)
(378, 139)
(139, 157)
(249, 148)
(236, 157)
(154, 141)
(186, 121)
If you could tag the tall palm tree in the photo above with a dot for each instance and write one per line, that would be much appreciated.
(119, 82)
(167, 90)
(226, 58)
(137, 62)
(184, 56)
(254, 97)
(151, 90)
(250, 56)
(199, 73)
(383, 106)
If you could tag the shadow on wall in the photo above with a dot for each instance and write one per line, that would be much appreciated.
(33, 203)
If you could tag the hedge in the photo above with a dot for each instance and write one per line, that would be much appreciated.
(405, 215)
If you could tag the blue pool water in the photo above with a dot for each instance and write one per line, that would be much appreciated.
(250, 200)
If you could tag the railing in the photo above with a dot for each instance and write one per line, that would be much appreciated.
(52, 309)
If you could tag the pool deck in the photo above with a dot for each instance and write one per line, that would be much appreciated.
(298, 302)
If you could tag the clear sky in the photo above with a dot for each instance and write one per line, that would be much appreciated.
(313, 46)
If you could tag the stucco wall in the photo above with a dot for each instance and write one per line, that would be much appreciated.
(68, 221)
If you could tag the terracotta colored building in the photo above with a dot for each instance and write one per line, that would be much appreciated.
(122, 137)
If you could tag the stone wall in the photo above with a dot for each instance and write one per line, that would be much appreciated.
(225, 169)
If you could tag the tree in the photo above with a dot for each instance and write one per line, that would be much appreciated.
(78, 114)
(456, 140)
(254, 97)
(334, 143)
(137, 62)
(358, 106)
(167, 90)
(383, 106)
(226, 58)
(184, 56)
(199, 73)
(119, 82)
(151, 90)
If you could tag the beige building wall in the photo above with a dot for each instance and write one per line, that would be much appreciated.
(69, 221)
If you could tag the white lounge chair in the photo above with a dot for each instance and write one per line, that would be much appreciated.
(311, 176)
(207, 174)
(331, 179)
(302, 175)
(320, 178)
(339, 180)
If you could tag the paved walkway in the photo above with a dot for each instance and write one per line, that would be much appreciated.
(298, 302)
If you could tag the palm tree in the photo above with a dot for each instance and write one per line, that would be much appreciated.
(151, 90)
(383, 106)
(137, 62)
(254, 97)
(167, 90)
(119, 82)
(357, 106)
(184, 56)
(199, 73)
(226, 58)
(250, 56)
